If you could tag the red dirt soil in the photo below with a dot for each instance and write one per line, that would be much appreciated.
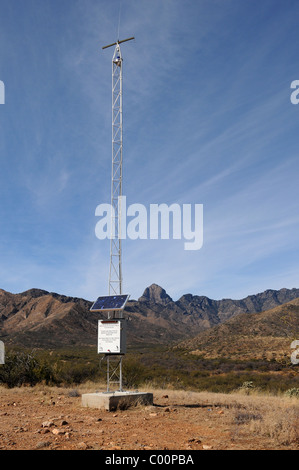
(54, 420)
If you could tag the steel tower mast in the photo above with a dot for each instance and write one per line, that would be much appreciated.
(114, 362)
(115, 271)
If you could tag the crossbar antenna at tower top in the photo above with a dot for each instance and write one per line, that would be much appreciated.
(118, 42)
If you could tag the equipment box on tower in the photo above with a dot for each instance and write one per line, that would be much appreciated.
(112, 337)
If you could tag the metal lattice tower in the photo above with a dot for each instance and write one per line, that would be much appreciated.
(114, 362)
(115, 271)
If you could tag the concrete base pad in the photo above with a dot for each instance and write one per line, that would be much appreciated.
(113, 400)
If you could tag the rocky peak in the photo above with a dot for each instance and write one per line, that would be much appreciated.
(186, 299)
(35, 293)
(155, 294)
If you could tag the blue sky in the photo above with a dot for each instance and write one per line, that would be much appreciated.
(207, 120)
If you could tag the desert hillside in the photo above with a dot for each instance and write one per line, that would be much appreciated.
(37, 318)
(261, 335)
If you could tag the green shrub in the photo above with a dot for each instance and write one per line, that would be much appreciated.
(292, 392)
(23, 369)
(133, 372)
(247, 387)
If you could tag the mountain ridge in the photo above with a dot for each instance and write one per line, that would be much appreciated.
(49, 320)
(264, 335)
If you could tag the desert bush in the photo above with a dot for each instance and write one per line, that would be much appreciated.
(23, 369)
(246, 417)
(292, 392)
(133, 372)
(69, 374)
(73, 393)
(72, 367)
(247, 387)
(27, 368)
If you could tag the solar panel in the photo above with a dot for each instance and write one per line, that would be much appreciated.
(108, 303)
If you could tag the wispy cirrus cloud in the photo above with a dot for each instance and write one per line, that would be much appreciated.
(207, 119)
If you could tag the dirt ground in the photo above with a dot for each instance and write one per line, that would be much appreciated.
(53, 419)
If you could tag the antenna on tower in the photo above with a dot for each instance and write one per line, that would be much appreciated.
(115, 271)
(112, 333)
(118, 42)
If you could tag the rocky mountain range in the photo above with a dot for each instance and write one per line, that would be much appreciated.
(265, 335)
(37, 318)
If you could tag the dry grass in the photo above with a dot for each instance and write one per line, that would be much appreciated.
(280, 424)
(274, 418)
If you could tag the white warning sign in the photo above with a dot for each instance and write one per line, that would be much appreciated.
(111, 337)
